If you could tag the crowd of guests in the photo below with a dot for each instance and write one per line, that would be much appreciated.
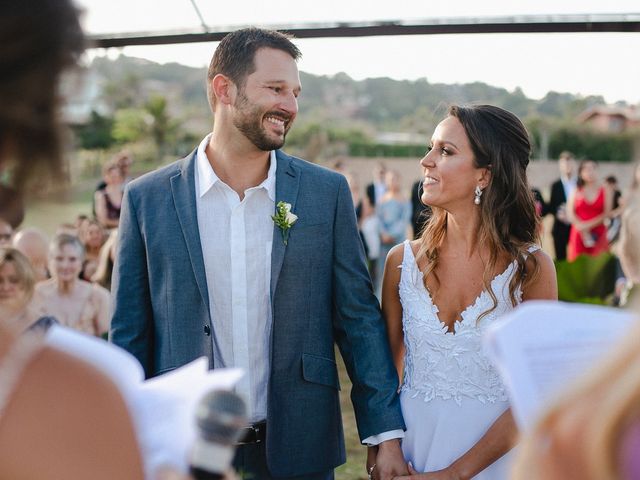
(66, 279)
(386, 216)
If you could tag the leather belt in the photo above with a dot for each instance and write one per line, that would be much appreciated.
(255, 433)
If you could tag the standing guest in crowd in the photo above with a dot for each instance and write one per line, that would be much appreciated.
(109, 200)
(475, 261)
(593, 431)
(34, 245)
(16, 291)
(361, 205)
(561, 191)
(420, 212)
(588, 207)
(394, 215)
(613, 228)
(219, 266)
(6, 233)
(74, 302)
(59, 417)
(377, 188)
(92, 237)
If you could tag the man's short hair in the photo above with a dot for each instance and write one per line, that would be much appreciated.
(235, 54)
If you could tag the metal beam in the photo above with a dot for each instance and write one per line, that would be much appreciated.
(627, 23)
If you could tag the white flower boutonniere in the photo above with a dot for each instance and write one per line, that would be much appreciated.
(284, 219)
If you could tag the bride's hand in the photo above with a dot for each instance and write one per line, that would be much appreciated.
(445, 474)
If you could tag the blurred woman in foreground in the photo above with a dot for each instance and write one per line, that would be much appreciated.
(593, 432)
(59, 417)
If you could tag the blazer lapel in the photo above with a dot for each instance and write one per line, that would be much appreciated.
(287, 183)
(184, 198)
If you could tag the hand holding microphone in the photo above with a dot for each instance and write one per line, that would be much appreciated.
(220, 418)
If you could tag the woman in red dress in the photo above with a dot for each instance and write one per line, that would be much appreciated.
(588, 207)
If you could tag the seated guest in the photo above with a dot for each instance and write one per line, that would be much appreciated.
(92, 237)
(34, 245)
(16, 292)
(109, 199)
(6, 233)
(104, 267)
(73, 302)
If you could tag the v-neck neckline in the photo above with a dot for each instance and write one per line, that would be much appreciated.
(461, 315)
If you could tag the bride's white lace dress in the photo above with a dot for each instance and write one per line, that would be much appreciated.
(450, 394)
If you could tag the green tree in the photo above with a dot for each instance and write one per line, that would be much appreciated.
(130, 125)
(161, 126)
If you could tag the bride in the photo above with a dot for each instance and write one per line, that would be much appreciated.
(475, 261)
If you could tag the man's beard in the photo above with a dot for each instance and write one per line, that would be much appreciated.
(249, 119)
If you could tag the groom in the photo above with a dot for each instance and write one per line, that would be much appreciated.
(204, 269)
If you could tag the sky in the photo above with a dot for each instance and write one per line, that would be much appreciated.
(588, 64)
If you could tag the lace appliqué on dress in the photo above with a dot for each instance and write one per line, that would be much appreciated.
(443, 364)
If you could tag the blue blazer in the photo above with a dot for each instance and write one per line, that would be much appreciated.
(321, 295)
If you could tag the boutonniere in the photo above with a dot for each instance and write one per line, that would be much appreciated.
(284, 219)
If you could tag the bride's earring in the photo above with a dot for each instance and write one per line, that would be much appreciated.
(478, 193)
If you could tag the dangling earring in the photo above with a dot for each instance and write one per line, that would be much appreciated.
(478, 193)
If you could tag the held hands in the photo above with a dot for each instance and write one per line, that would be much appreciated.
(389, 462)
(445, 474)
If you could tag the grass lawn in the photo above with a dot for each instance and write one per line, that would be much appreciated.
(354, 469)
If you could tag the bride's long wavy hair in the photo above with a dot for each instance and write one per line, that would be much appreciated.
(508, 221)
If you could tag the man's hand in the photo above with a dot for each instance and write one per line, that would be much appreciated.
(389, 461)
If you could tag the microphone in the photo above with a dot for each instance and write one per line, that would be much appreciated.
(220, 419)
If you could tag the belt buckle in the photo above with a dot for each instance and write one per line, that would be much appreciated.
(251, 434)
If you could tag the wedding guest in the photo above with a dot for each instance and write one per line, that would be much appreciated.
(376, 189)
(587, 209)
(361, 205)
(17, 281)
(92, 237)
(394, 215)
(34, 245)
(59, 417)
(104, 267)
(6, 233)
(74, 302)
(477, 259)
(561, 191)
(420, 212)
(592, 432)
(109, 200)
(251, 257)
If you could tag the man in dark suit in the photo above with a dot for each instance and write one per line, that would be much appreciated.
(252, 258)
(420, 212)
(376, 189)
(561, 190)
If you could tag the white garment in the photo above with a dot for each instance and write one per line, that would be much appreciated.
(236, 238)
(451, 394)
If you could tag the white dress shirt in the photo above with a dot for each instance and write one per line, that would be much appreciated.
(236, 237)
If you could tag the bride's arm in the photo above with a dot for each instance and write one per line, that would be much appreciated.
(391, 306)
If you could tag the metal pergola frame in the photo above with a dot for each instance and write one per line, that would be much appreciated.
(621, 23)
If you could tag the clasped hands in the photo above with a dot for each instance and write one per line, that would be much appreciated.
(386, 462)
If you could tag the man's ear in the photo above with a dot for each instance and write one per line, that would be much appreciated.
(223, 89)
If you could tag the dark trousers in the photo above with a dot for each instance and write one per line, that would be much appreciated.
(250, 463)
(560, 240)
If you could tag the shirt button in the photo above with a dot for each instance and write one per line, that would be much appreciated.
(207, 330)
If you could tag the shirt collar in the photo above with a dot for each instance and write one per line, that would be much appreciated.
(207, 178)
